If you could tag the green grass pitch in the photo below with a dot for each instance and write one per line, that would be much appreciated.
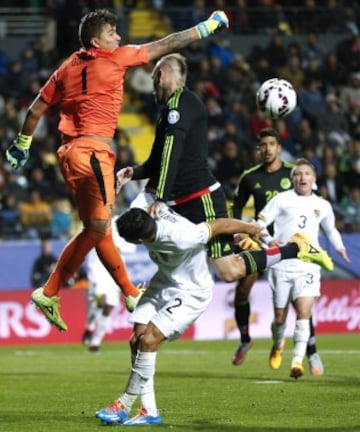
(59, 388)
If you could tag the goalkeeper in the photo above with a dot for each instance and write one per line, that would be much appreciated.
(89, 86)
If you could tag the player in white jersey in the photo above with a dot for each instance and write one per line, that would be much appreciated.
(103, 294)
(294, 281)
(179, 292)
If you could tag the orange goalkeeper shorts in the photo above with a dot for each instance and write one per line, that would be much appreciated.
(87, 166)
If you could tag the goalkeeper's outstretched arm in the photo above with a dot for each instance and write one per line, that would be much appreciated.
(176, 41)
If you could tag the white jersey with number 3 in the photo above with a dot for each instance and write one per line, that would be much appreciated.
(293, 213)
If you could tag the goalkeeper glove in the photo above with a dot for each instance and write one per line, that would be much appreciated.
(18, 153)
(216, 21)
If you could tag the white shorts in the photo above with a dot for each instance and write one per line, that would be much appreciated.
(171, 309)
(108, 289)
(288, 286)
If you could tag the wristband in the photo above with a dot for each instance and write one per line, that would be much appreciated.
(203, 30)
(24, 141)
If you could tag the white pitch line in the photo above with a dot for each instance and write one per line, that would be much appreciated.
(253, 351)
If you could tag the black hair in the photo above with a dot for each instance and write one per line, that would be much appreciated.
(268, 132)
(135, 224)
(92, 24)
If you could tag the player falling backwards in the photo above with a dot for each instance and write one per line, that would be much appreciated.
(179, 292)
(89, 85)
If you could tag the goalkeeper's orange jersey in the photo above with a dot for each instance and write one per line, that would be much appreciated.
(89, 85)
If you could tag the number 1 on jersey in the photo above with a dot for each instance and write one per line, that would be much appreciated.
(83, 80)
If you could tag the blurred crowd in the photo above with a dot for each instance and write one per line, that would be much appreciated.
(325, 127)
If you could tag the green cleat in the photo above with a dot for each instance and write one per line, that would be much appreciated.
(309, 253)
(49, 306)
(132, 301)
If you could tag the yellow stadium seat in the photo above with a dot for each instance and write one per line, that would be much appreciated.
(141, 133)
(145, 23)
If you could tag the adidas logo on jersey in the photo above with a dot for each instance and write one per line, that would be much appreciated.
(227, 248)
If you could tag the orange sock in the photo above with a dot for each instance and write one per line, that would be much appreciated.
(71, 259)
(110, 257)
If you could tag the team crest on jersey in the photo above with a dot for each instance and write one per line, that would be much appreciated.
(285, 183)
(173, 116)
(317, 212)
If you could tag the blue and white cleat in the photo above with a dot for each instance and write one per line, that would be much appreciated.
(113, 414)
(142, 418)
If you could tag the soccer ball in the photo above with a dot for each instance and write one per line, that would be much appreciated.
(276, 97)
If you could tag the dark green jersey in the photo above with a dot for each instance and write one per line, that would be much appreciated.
(178, 162)
(262, 185)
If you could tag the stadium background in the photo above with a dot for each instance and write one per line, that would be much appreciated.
(265, 39)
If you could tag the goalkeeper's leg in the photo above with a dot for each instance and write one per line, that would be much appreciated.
(94, 195)
(72, 256)
(70, 260)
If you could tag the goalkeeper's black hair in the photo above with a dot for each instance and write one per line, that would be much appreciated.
(135, 224)
(265, 132)
(92, 24)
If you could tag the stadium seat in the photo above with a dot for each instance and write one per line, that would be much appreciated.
(146, 23)
(141, 132)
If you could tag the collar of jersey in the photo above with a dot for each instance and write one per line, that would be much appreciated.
(93, 53)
